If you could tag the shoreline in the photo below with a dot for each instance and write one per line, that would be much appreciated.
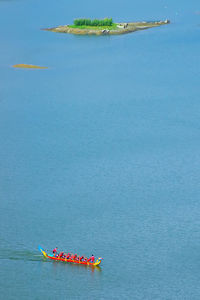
(122, 28)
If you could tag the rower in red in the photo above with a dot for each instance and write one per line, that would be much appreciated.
(68, 256)
(91, 259)
(61, 254)
(55, 251)
(74, 257)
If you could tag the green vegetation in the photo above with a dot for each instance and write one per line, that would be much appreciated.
(113, 27)
(95, 22)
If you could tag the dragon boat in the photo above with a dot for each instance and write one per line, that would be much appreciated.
(50, 256)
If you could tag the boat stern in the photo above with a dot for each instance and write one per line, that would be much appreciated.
(43, 252)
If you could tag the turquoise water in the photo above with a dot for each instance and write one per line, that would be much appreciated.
(100, 152)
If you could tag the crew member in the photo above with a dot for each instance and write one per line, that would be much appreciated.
(91, 259)
(55, 251)
(75, 257)
(60, 254)
(68, 256)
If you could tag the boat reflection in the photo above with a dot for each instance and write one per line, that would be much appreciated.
(76, 267)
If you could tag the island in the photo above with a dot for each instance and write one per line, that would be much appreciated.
(104, 27)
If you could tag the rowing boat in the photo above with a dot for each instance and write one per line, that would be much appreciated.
(50, 256)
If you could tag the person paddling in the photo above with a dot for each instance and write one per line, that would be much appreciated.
(61, 254)
(91, 259)
(75, 257)
(81, 258)
(55, 251)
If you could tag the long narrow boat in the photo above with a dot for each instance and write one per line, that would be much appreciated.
(94, 264)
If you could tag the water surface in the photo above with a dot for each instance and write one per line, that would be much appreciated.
(100, 152)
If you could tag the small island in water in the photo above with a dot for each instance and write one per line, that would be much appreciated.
(104, 27)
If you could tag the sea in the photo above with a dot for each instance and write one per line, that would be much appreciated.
(100, 152)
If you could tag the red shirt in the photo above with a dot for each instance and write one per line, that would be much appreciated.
(92, 259)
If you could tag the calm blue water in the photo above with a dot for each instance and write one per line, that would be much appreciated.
(100, 153)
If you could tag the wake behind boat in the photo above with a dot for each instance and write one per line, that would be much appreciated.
(75, 260)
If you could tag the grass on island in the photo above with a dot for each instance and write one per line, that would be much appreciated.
(24, 66)
(94, 24)
(112, 27)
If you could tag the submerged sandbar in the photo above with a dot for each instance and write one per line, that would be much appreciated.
(24, 66)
